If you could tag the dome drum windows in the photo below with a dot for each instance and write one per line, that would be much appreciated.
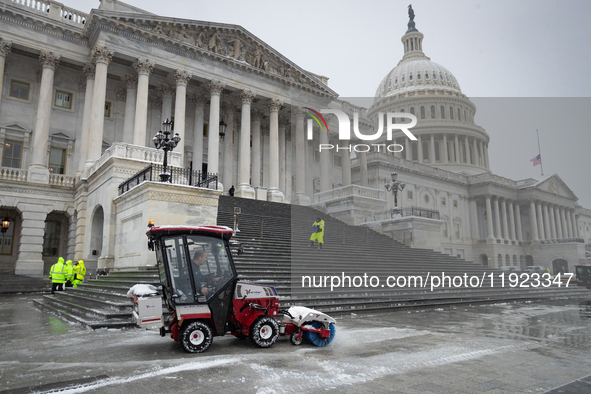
(434, 76)
(432, 112)
(451, 113)
(396, 81)
(402, 78)
(442, 110)
(427, 76)
(410, 77)
(419, 76)
(422, 112)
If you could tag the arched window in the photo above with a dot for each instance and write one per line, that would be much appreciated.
(425, 150)
(457, 230)
(432, 112)
(507, 260)
(434, 76)
(415, 152)
(412, 110)
(396, 81)
(444, 228)
(451, 113)
(463, 153)
(437, 155)
(422, 112)
(442, 110)
(427, 75)
(410, 77)
(459, 118)
(390, 83)
(441, 76)
(419, 76)
(402, 78)
(500, 260)
(465, 118)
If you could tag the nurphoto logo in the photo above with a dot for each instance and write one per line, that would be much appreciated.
(345, 130)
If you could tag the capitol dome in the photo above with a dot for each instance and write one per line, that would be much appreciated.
(414, 74)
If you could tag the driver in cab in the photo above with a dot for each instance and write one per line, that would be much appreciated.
(200, 258)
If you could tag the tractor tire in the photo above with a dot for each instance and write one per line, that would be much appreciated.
(196, 337)
(316, 339)
(264, 331)
(293, 338)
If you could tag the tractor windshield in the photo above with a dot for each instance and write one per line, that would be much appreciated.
(198, 265)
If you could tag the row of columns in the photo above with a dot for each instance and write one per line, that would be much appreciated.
(449, 149)
(547, 221)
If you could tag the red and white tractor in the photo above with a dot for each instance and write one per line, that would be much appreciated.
(200, 287)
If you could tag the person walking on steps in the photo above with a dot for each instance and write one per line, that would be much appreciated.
(231, 191)
(79, 272)
(318, 234)
(57, 274)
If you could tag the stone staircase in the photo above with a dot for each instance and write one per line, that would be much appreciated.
(275, 238)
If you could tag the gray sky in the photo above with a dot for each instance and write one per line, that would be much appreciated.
(501, 48)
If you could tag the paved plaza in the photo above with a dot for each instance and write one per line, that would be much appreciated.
(502, 348)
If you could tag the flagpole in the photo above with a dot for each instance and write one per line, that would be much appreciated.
(540, 152)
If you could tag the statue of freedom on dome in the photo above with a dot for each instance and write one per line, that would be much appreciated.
(411, 13)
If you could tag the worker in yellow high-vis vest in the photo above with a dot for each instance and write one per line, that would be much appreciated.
(57, 274)
(79, 272)
(69, 271)
(318, 234)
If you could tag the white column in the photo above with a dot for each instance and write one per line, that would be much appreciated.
(474, 155)
(144, 68)
(498, 233)
(363, 168)
(547, 231)
(256, 148)
(505, 224)
(432, 149)
(325, 178)
(473, 219)
(445, 158)
(198, 133)
(274, 193)
(5, 48)
(82, 144)
(552, 222)
(244, 188)
(458, 151)
(518, 222)
(346, 167)
(540, 220)
(408, 149)
(563, 223)
(511, 220)
(420, 149)
(38, 171)
(102, 57)
(180, 105)
(575, 225)
(569, 225)
(558, 223)
(213, 146)
(485, 151)
(130, 82)
(30, 258)
(480, 155)
(300, 144)
(533, 223)
(228, 116)
(166, 114)
(289, 149)
(489, 218)
(282, 157)
(467, 147)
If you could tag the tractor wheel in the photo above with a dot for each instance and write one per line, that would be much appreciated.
(316, 339)
(264, 331)
(295, 340)
(195, 337)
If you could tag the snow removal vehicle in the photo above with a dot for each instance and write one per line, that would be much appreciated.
(200, 287)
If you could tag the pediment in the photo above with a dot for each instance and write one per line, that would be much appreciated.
(15, 127)
(555, 185)
(60, 136)
(228, 43)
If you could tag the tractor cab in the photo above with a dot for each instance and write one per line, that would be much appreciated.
(196, 271)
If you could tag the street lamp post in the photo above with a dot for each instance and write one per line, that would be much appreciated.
(394, 187)
(161, 141)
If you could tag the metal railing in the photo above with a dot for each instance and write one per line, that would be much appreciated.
(178, 176)
(402, 212)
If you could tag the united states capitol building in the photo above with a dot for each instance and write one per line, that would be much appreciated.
(83, 95)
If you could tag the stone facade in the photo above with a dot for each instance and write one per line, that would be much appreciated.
(82, 95)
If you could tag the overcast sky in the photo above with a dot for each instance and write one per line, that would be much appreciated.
(523, 48)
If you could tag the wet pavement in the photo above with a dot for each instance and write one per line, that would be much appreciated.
(502, 348)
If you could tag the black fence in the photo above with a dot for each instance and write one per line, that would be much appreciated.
(398, 212)
(177, 176)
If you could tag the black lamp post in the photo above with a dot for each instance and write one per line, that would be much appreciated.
(223, 127)
(161, 141)
(394, 187)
